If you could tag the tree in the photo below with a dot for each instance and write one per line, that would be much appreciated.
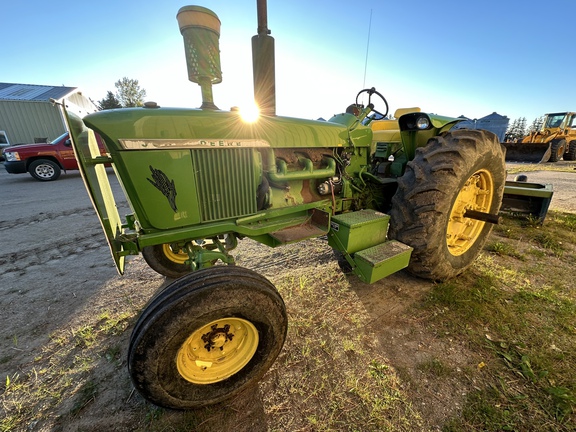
(129, 93)
(536, 124)
(109, 102)
(516, 130)
(522, 125)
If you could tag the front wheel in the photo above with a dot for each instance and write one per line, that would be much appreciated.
(455, 172)
(557, 148)
(44, 170)
(206, 337)
(166, 259)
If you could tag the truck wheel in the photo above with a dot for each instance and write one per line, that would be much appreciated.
(44, 170)
(571, 154)
(208, 336)
(557, 148)
(455, 172)
(167, 261)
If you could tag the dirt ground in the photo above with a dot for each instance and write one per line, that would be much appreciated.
(50, 292)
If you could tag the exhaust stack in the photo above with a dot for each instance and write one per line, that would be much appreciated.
(263, 64)
(200, 28)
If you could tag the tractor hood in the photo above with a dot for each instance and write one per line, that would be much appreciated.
(139, 128)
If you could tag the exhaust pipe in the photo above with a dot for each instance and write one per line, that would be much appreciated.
(200, 28)
(263, 64)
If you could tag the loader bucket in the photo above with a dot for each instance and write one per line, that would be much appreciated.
(527, 152)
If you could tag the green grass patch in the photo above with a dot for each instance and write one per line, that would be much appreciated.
(524, 168)
(63, 370)
(521, 316)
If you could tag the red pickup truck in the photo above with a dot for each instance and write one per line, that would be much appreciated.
(44, 161)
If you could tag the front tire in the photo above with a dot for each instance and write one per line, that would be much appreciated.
(167, 260)
(44, 170)
(206, 337)
(557, 148)
(455, 172)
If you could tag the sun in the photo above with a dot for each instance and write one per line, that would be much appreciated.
(250, 112)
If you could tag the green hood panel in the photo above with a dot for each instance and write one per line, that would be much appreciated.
(212, 128)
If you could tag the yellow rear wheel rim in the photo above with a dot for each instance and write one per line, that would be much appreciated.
(217, 350)
(174, 255)
(476, 194)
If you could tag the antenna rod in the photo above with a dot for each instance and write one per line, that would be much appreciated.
(367, 46)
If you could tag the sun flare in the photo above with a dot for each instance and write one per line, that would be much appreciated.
(250, 113)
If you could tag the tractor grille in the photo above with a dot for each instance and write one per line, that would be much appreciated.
(226, 182)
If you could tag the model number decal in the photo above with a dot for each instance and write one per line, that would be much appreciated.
(135, 144)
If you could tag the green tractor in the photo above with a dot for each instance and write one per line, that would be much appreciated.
(198, 181)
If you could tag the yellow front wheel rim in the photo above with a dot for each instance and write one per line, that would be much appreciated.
(175, 255)
(476, 194)
(217, 350)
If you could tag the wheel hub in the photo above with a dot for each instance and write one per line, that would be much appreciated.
(45, 171)
(217, 337)
(217, 350)
(476, 194)
(174, 254)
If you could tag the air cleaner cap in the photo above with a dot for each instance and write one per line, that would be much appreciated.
(200, 28)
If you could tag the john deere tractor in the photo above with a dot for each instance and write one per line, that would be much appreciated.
(406, 193)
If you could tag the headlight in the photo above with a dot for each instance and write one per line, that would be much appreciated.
(423, 123)
(414, 122)
(11, 156)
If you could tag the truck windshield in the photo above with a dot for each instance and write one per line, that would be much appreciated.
(57, 139)
(554, 120)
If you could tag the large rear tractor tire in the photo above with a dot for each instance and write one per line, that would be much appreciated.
(570, 155)
(557, 148)
(207, 337)
(455, 172)
(167, 260)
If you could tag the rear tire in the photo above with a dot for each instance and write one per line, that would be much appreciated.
(456, 171)
(44, 170)
(207, 337)
(571, 154)
(167, 261)
(557, 148)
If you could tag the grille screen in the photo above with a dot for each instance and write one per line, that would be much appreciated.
(226, 182)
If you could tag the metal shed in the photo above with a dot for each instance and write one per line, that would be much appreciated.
(494, 122)
(27, 113)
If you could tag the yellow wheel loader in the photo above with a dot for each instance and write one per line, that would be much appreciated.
(555, 140)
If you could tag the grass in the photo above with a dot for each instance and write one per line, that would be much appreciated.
(63, 371)
(513, 312)
(520, 313)
(523, 168)
(331, 375)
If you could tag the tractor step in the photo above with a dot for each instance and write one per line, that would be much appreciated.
(355, 231)
(298, 233)
(382, 260)
(314, 224)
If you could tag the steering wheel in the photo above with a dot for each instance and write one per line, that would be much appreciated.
(372, 91)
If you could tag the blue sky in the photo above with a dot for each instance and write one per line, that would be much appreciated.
(447, 57)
